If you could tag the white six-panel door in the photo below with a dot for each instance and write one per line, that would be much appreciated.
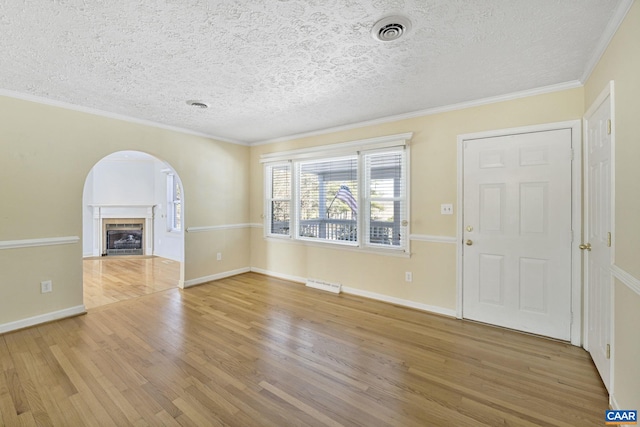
(517, 232)
(598, 280)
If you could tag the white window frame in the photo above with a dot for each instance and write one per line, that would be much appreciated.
(402, 198)
(392, 143)
(268, 192)
(172, 204)
(296, 184)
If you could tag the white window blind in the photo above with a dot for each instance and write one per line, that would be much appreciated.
(328, 199)
(385, 201)
(279, 199)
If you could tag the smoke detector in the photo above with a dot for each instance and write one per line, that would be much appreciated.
(390, 28)
(198, 104)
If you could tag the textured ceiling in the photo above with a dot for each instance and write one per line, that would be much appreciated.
(281, 67)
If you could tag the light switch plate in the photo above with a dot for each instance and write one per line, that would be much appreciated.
(446, 209)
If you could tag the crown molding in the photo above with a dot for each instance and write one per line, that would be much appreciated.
(610, 31)
(410, 115)
(430, 111)
(109, 115)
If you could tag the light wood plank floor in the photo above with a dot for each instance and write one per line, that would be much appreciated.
(257, 351)
(110, 279)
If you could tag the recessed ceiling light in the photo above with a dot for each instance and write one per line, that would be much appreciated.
(197, 104)
(390, 28)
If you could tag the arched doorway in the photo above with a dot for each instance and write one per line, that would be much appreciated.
(133, 236)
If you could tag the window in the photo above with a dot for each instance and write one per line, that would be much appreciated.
(174, 203)
(386, 198)
(356, 197)
(279, 198)
(327, 199)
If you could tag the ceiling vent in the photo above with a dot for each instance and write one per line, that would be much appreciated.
(198, 104)
(390, 28)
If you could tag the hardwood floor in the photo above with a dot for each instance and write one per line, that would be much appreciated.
(110, 279)
(257, 351)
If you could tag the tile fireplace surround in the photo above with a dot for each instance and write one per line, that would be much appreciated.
(114, 214)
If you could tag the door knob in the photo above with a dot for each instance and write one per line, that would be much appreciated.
(585, 247)
(469, 242)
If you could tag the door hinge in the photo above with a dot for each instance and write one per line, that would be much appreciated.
(608, 351)
(609, 239)
(609, 127)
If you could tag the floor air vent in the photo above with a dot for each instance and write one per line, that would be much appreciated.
(324, 286)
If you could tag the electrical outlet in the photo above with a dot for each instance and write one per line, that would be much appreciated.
(219, 256)
(408, 276)
(446, 209)
(46, 286)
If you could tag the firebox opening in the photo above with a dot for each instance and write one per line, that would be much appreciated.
(124, 239)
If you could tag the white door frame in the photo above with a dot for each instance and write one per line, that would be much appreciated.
(576, 214)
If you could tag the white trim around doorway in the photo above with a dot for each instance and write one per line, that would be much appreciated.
(576, 213)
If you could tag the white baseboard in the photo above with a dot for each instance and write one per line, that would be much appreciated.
(399, 301)
(80, 309)
(42, 318)
(613, 404)
(167, 257)
(367, 294)
(218, 276)
(279, 275)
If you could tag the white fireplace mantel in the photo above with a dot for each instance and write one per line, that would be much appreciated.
(110, 211)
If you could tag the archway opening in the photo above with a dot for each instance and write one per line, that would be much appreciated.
(133, 228)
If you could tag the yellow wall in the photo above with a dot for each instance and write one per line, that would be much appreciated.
(433, 182)
(621, 63)
(47, 152)
(45, 155)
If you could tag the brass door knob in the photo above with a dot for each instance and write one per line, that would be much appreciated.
(469, 242)
(585, 247)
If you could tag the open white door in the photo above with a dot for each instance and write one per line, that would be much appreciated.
(598, 232)
(517, 231)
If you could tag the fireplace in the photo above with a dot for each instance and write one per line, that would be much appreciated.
(124, 239)
(122, 230)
